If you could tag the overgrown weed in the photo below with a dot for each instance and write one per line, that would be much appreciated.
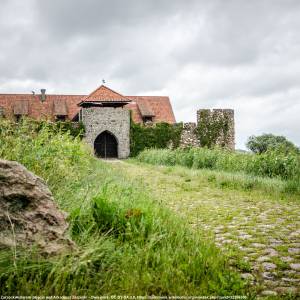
(126, 242)
(249, 171)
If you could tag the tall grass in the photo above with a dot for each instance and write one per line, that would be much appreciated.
(270, 164)
(52, 155)
(126, 243)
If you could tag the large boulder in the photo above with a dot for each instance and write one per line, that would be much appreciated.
(28, 214)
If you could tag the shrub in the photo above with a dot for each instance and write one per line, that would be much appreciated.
(266, 142)
(274, 164)
(270, 164)
(160, 135)
(126, 242)
(43, 148)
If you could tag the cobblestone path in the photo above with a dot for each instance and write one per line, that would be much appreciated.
(260, 234)
(266, 235)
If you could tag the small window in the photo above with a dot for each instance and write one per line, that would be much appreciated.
(18, 118)
(60, 118)
(147, 119)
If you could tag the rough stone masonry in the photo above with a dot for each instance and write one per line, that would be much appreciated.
(226, 136)
(115, 120)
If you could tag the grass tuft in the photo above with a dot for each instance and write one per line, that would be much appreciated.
(127, 243)
(249, 171)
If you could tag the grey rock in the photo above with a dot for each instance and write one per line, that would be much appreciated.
(286, 259)
(268, 293)
(268, 275)
(295, 267)
(258, 245)
(227, 241)
(269, 266)
(294, 250)
(247, 276)
(263, 259)
(245, 236)
(295, 234)
(289, 272)
(292, 280)
(271, 283)
(28, 214)
(286, 290)
(227, 234)
(275, 241)
(271, 252)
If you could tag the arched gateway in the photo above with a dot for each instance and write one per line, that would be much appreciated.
(106, 145)
(106, 122)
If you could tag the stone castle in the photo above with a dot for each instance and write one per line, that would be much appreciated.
(106, 117)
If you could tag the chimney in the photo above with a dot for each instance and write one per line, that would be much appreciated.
(43, 95)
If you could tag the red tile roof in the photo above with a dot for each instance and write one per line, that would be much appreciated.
(38, 109)
(145, 109)
(159, 106)
(21, 107)
(105, 94)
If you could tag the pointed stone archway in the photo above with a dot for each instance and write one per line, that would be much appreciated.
(106, 145)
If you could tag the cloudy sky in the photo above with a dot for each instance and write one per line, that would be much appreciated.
(236, 54)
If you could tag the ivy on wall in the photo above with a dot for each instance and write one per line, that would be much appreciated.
(159, 135)
(211, 126)
(76, 129)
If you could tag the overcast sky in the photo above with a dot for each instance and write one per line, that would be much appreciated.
(237, 54)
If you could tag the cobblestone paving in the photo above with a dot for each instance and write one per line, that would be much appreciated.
(266, 236)
(260, 234)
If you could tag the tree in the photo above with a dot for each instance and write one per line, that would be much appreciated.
(266, 142)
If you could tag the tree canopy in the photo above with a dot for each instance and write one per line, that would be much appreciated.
(266, 142)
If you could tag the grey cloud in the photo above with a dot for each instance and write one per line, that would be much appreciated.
(239, 54)
(75, 17)
(241, 32)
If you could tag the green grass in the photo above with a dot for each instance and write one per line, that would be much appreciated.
(248, 171)
(225, 213)
(127, 243)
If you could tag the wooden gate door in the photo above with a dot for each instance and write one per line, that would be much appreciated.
(106, 145)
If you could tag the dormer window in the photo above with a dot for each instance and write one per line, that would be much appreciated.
(146, 111)
(60, 118)
(20, 109)
(148, 119)
(18, 118)
(60, 110)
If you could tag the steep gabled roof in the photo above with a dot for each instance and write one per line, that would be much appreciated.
(159, 105)
(104, 94)
(145, 108)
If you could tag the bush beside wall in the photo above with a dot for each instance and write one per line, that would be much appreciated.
(270, 164)
(160, 135)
